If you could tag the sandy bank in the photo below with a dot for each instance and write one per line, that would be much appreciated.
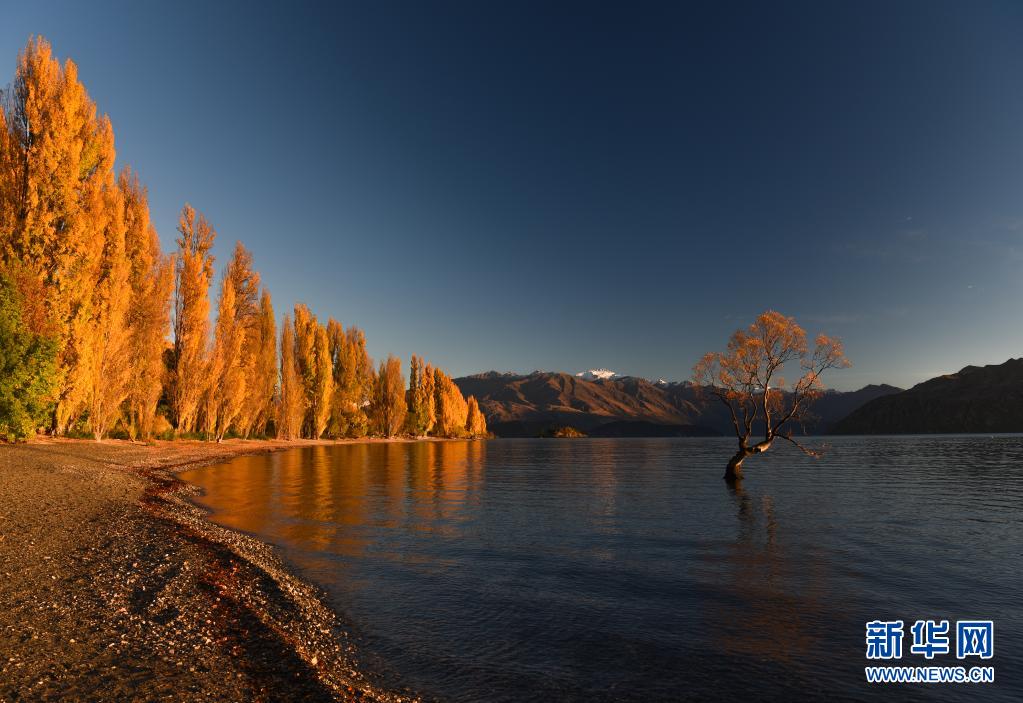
(113, 587)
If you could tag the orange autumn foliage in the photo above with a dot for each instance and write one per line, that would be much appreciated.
(450, 407)
(151, 281)
(747, 380)
(475, 422)
(60, 211)
(194, 275)
(81, 239)
(389, 406)
(291, 402)
(261, 363)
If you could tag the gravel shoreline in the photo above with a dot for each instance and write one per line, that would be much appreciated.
(115, 587)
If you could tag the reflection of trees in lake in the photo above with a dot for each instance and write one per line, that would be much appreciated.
(334, 497)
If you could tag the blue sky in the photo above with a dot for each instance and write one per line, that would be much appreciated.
(515, 186)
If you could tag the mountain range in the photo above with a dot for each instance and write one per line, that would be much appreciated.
(975, 399)
(541, 403)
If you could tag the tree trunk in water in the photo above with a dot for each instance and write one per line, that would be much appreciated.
(733, 472)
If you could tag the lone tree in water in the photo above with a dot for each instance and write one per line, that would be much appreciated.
(747, 379)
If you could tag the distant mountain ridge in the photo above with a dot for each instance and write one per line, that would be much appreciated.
(974, 399)
(531, 405)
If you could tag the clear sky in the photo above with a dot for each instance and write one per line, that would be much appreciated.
(515, 186)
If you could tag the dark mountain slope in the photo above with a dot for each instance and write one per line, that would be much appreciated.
(831, 407)
(976, 399)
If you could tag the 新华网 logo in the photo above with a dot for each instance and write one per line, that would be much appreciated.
(973, 638)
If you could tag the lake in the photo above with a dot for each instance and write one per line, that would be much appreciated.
(626, 569)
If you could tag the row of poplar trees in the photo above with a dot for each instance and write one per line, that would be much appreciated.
(102, 332)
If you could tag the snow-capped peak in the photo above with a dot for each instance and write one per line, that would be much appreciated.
(602, 374)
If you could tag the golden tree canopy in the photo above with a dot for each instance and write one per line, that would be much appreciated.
(747, 378)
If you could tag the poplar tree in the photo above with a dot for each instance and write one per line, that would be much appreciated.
(451, 407)
(305, 362)
(389, 406)
(261, 384)
(364, 378)
(236, 347)
(194, 273)
(352, 385)
(429, 400)
(81, 243)
(475, 423)
(338, 349)
(291, 405)
(150, 282)
(105, 375)
(226, 388)
(323, 382)
(315, 368)
(417, 419)
(58, 168)
(10, 183)
(28, 353)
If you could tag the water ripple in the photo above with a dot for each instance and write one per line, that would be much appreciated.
(597, 570)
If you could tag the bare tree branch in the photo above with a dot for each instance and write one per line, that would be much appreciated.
(806, 450)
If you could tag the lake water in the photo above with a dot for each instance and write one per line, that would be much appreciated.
(626, 569)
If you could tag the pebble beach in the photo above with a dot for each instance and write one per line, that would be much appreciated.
(115, 587)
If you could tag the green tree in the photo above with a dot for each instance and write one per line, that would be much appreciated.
(291, 399)
(417, 418)
(28, 357)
